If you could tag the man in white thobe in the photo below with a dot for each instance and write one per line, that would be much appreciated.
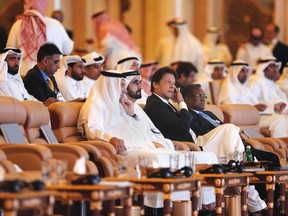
(283, 81)
(235, 90)
(34, 29)
(253, 50)
(93, 67)
(180, 45)
(69, 77)
(128, 63)
(267, 92)
(213, 48)
(11, 84)
(103, 116)
(113, 39)
(213, 70)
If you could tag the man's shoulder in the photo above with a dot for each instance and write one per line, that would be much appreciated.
(152, 102)
(280, 45)
(153, 99)
(33, 73)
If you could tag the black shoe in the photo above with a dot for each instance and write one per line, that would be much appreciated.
(153, 211)
(259, 213)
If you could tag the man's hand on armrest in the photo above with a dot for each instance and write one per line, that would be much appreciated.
(79, 100)
(118, 144)
(49, 101)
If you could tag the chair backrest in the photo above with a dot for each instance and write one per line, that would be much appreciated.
(214, 87)
(72, 153)
(64, 118)
(216, 111)
(27, 156)
(37, 116)
(12, 112)
(242, 115)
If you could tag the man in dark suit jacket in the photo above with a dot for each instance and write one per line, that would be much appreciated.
(40, 81)
(173, 125)
(279, 49)
(195, 99)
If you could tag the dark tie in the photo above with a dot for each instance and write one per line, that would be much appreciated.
(208, 118)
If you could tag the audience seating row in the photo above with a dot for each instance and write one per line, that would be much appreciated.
(247, 118)
(64, 116)
(31, 117)
(13, 114)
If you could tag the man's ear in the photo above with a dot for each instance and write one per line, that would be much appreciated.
(68, 71)
(155, 85)
(185, 98)
(45, 60)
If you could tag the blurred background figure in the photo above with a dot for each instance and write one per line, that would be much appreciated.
(147, 69)
(180, 45)
(93, 67)
(146, 72)
(58, 15)
(213, 48)
(34, 29)
(283, 81)
(3, 38)
(279, 49)
(186, 74)
(113, 39)
(213, 70)
(254, 49)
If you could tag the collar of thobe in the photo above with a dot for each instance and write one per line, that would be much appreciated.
(72, 81)
(13, 77)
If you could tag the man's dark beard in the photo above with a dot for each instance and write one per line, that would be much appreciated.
(135, 96)
(12, 71)
(76, 76)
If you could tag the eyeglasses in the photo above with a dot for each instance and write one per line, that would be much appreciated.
(199, 95)
(54, 61)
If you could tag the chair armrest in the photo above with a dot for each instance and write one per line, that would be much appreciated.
(107, 150)
(188, 146)
(285, 140)
(104, 164)
(91, 168)
(70, 153)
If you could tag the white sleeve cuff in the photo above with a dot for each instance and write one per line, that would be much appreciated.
(182, 105)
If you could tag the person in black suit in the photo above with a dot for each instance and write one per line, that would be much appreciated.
(279, 49)
(186, 74)
(39, 81)
(195, 99)
(174, 125)
(3, 37)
